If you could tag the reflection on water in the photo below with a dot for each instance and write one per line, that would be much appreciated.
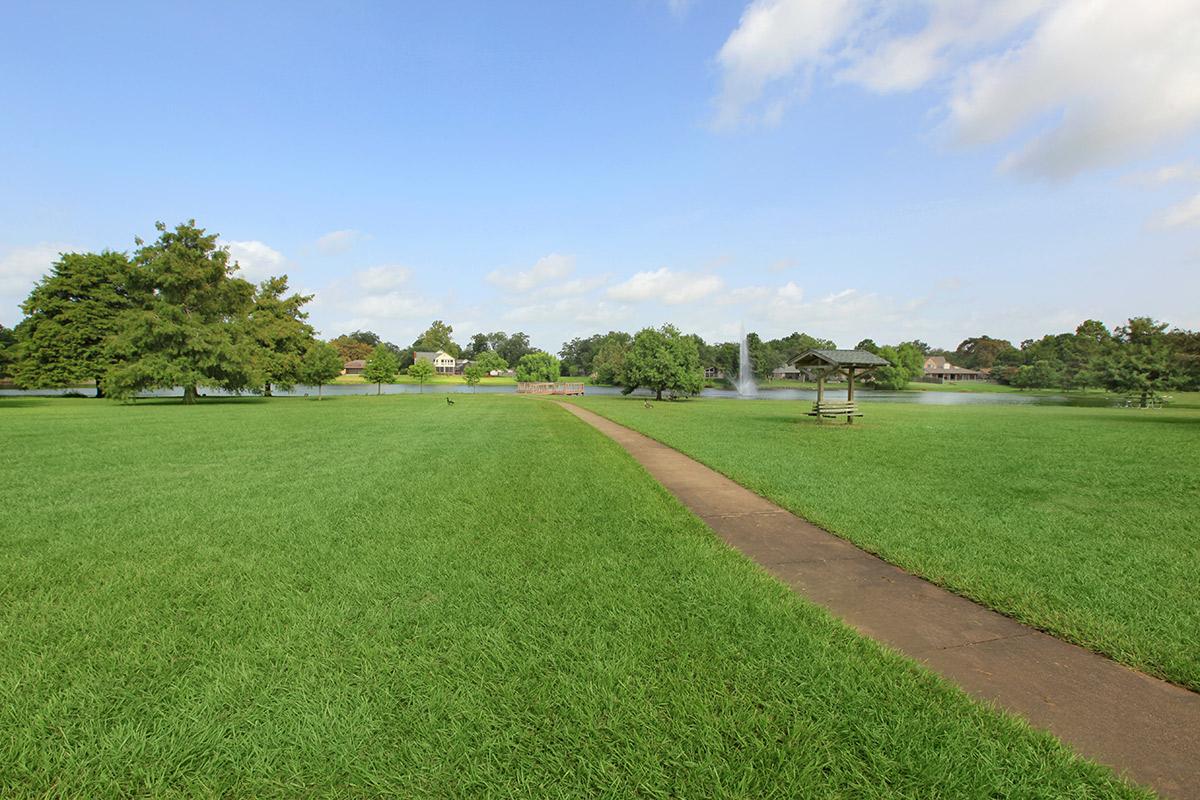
(766, 395)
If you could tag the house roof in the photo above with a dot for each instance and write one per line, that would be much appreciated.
(357, 363)
(837, 359)
(428, 355)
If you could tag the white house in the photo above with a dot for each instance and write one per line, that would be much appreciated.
(442, 361)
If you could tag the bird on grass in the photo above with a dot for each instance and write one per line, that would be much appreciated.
(449, 402)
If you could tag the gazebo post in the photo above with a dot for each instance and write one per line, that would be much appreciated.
(850, 393)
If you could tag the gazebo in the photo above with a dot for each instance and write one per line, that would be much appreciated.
(830, 362)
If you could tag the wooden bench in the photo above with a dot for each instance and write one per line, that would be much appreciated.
(838, 409)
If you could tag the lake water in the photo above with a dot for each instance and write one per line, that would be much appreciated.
(764, 396)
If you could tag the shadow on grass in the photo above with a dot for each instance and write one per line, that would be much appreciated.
(24, 402)
(147, 402)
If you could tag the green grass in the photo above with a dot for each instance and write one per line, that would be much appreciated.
(393, 597)
(1080, 521)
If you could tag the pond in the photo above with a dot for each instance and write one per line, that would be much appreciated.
(764, 395)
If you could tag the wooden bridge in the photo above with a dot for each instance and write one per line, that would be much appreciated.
(526, 387)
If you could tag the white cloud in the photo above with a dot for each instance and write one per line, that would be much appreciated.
(256, 260)
(1182, 215)
(775, 39)
(1069, 86)
(666, 286)
(383, 278)
(21, 267)
(339, 241)
(1183, 171)
(1100, 80)
(548, 268)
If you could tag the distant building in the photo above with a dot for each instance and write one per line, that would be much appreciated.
(442, 361)
(939, 370)
(354, 367)
(714, 373)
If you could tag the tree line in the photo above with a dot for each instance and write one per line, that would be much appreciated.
(175, 313)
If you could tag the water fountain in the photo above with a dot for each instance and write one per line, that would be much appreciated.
(746, 387)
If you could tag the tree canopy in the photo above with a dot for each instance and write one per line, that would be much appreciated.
(422, 370)
(663, 360)
(183, 328)
(538, 367)
(320, 364)
(438, 336)
(276, 323)
(70, 315)
(381, 367)
(490, 360)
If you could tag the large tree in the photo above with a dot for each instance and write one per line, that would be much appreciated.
(512, 348)
(439, 336)
(69, 317)
(981, 352)
(1140, 361)
(276, 323)
(188, 325)
(664, 360)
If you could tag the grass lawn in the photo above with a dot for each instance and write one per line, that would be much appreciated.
(389, 596)
(1080, 521)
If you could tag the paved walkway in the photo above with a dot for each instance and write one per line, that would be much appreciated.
(1141, 726)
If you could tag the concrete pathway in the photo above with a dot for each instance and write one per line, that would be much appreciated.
(1140, 726)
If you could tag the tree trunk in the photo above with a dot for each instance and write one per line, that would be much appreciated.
(267, 390)
(1145, 399)
(658, 394)
(189, 395)
(319, 391)
(99, 388)
(378, 389)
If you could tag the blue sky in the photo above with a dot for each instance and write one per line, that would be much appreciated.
(914, 169)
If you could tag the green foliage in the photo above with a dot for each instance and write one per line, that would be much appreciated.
(381, 367)
(1140, 361)
(439, 336)
(512, 348)
(69, 318)
(477, 345)
(421, 371)
(352, 348)
(490, 361)
(276, 323)
(981, 352)
(1038, 375)
(473, 374)
(663, 360)
(185, 327)
(320, 364)
(537, 367)
(906, 362)
(609, 362)
(8, 351)
(579, 354)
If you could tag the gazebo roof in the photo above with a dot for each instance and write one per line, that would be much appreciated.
(838, 359)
